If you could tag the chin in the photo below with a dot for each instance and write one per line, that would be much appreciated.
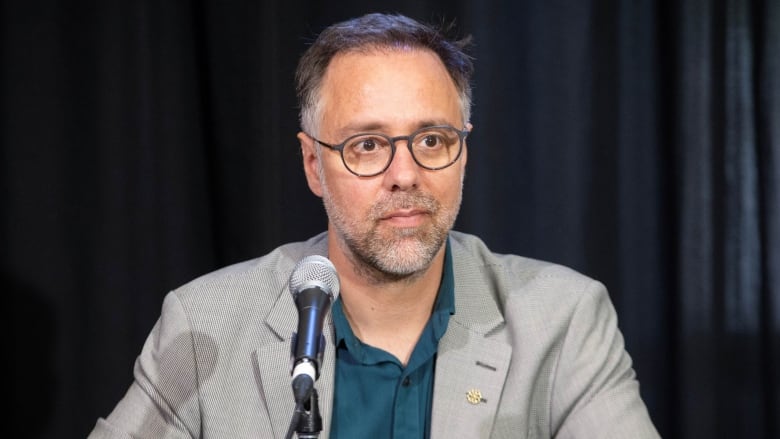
(405, 255)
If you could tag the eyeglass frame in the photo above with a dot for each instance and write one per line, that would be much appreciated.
(340, 147)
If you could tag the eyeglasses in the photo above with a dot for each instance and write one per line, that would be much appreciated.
(370, 154)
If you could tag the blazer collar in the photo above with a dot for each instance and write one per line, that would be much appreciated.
(466, 361)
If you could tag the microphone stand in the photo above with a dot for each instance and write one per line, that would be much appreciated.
(310, 421)
(306, 421)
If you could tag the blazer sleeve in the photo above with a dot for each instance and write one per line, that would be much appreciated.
(162, 401)
(595, 391)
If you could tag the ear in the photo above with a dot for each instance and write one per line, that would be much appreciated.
(310, 163)
(464, 154)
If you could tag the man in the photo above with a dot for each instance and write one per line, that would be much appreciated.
(432, 335)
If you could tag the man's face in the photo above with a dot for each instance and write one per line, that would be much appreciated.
(394, 223)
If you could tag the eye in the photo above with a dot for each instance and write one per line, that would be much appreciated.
(367, 145)
(434, 140)
(431, 140)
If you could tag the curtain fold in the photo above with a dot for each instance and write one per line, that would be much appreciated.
(728, 371)
(767, 127)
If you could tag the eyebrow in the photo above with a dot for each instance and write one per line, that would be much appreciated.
(380, 127)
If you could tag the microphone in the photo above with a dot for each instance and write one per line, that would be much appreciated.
(314, 285)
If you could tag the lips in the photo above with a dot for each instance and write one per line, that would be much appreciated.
(405, 213)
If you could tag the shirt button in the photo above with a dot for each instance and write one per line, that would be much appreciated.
(406, 382)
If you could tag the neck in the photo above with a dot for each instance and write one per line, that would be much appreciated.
(392, 313)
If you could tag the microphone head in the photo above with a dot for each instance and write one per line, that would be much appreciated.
(315, 271)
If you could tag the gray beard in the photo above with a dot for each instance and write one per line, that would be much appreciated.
(406, 253)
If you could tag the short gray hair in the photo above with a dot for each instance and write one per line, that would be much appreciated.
(379, 31)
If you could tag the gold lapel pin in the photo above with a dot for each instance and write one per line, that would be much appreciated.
(474, 396)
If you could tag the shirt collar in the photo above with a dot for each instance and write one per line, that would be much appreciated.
(443, 307)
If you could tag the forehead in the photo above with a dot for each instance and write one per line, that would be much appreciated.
(388, 87)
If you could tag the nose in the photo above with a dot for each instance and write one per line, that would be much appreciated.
(403, 172)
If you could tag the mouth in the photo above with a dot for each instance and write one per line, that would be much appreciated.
(405, 217)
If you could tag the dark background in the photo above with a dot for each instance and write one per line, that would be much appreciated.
(147, 142)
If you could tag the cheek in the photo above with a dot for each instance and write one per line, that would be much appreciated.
(448, 190)
(351, 198)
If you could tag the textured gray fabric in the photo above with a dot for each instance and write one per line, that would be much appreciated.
(538, 341)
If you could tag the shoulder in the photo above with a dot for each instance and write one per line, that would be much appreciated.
(252, 286)
(228, 313)
(518, 285)
(512, 271)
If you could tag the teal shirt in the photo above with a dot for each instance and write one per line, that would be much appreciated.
(376, 396)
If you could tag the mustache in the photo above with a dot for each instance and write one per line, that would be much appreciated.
(405, 200)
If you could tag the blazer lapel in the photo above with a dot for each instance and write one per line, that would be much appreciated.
(273, 364)
(469, 379)
(273, 359)
(470, 368)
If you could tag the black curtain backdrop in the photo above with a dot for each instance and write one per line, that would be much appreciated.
(145, 143)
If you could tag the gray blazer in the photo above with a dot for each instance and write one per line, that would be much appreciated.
(536, 343)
